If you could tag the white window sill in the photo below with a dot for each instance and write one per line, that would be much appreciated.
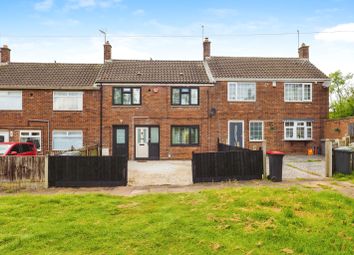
(256, 141)
(298, 140)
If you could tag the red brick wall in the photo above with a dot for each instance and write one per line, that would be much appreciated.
(38, 104)
(336, 129)
(271, 108)
(156, 109)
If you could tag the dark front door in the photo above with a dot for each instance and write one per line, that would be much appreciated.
(120, 143)
(236, 133)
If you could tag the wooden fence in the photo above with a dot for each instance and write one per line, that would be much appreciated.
(68, 171)
(17, 172)
(233, 163)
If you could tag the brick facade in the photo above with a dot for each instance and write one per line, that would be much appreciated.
(272, 110)
(38, 105)
(337, 128)
(156, 109)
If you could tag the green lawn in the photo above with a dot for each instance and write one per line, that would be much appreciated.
(230, 221)
(344, 177)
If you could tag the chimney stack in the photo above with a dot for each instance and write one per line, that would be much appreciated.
(107, 55)
(206, 48)
(5, 54)
(304, 51)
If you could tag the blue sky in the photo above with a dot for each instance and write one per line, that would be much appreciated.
(67, 30)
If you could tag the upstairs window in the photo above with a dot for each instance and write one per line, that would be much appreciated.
(298, 92)
(185, 96)
(10, 100)
(241, 91)
(67, 101)
(126, 96)
(297, 130)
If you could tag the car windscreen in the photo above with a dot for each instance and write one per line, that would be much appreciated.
(4, 148)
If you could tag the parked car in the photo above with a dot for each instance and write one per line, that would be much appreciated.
(17, 149)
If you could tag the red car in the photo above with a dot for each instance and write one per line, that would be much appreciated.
(17, 149)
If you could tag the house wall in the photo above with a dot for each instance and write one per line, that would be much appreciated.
(270, 108)
(156, 109)
(38, 104)
(337, 128)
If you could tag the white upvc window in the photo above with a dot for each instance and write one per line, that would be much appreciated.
(67, 139)
(298, 92)
(241, 91)
(256, 131)
(10, 100)
(67, 101)
(33, 136)
(298, 130)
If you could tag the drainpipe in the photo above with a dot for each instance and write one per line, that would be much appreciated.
(48, 127)
(101, 117)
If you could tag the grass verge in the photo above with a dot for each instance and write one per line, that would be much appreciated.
(230, 221)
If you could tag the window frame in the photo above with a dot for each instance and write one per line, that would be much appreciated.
(67, 131)
(20, 108)
(32, 131)
(294, 130)
(249, 130)
(190, 96)
(190, 137)
(303, 84)
(131, 93)
(81, 107)
(229, 99)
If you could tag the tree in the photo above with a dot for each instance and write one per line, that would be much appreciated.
(341, 95)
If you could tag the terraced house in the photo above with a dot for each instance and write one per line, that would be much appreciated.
(149, 109)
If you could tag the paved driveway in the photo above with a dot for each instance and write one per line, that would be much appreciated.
(159, 172)
(303, 167)
(179, 172)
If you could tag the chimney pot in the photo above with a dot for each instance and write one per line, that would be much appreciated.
(206, 48)
(5, 54)
(107, 54)
(304, 51)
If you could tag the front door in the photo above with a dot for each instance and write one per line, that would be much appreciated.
(120, 141)
(4, 136)
(147, 144)
(236, 133)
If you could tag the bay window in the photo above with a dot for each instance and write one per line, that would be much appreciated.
(297, 130)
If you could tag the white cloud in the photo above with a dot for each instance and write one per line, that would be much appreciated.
(339, 33)
(44, 5)
(82, 4)
(139, 12)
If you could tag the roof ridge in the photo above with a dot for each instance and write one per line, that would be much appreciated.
(154, 60)
(257, 57)
(56, 63)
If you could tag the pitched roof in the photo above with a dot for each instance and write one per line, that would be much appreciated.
(154, 71)
(263, 68)
(48, 75)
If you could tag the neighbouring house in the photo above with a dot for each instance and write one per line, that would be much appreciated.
(163, 109)
(54, 105)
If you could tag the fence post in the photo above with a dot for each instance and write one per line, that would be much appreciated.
(328, 156)
(264, 151)
(46, 171)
